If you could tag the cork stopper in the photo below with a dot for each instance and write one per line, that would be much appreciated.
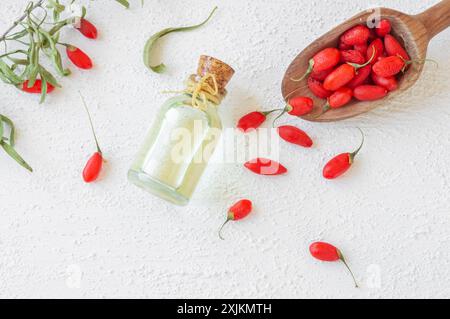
(222, 71)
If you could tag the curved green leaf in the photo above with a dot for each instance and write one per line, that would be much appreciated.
(160, 68)
(8, 74)
(14, 155)
(125, 3)
(11, 126)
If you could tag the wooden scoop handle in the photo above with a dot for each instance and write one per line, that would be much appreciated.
(437, 18)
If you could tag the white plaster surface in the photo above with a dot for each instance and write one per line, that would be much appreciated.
(390, 214)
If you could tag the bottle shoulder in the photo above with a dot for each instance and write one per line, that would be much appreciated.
(182, 104)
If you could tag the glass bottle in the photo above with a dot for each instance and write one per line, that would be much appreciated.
(185, 131)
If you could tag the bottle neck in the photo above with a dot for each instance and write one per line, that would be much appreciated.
(210, 101)
(203, 93)
(205, 105)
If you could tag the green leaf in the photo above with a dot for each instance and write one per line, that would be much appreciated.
(18, 61)
(48, 77)
(56, 37)
(8, 74)
(32, 68)
(154, 38)
(12, 128)
(125, 3)
(83, 12)
(43, 91)
(57, 8)
(55, 5)
(32, 77)
(58, 26)
(4, 78)
(14, 155)
(54, 54)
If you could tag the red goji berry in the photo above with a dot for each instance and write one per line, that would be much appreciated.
(252, 121)
(299, 106)
(339, 164)
(339, 98)
(79, 58)
(381, 57)
(321, 61)
(326, 59)
(294, 135)
(357, 35)
(361, 76)
(339, 77)
(389, 83)
(352, 56)
(372, 35)
(362, 48)
(376, 49)
(369, 92)
(327, 252)
(343, 46)
(343, 74)
(320, 76)
(324, 251)
(383, 28)
(93, 167)
(87, 29)
(37, 87)
(389, 66)
(238, 211)
(316, 87)
(394, 48)
(264, 166)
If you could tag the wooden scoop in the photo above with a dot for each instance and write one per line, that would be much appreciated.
(414, 31)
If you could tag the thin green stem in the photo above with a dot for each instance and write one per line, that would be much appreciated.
(31, 6)
(325, 109)
(308, 71)
(221, 227)
(13, 52)
(359, 66)
(351, 273)
(341, 257)
(283, 111)
(271, 111)
(352, 155)
(90, 121)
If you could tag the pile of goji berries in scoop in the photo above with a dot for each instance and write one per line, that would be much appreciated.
(365, 66)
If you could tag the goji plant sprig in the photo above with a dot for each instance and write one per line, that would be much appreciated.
(7, 142)
(35, 37)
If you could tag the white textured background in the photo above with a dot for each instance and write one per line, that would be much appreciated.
(390, 214)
